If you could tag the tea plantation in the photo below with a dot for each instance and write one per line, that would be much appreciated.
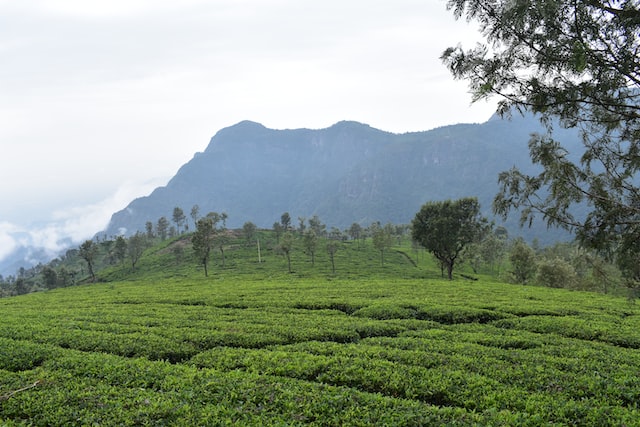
(372, 344)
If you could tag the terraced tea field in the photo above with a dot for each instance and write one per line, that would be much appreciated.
(319, 351)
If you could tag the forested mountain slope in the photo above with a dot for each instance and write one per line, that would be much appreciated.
(349, 172)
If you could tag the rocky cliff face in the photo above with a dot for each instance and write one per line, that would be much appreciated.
(347, 173)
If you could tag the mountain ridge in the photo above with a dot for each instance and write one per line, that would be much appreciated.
(348, 172)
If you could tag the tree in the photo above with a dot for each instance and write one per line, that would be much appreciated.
(556, 273)
(277, 228)
(88, 252)
(202, 241)
(149, 230)
(285, 220)
(382, 238)
(445, 228)
(249, 230)
(135, 248)
(221, 237)
(523, 261)
(286, 246)
(178, 217)
(50, 277)
(332, 248)
(301, 225)
(355, 231)
(162, 227)
(310, 242)
(575, 64)
(120, 250)
(316, 225)
(195, 214)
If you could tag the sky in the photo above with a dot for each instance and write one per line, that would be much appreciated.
(103, 100)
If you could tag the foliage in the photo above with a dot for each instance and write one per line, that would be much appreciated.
(576, 64)
(382, 238)
(445, 228)
(310, 243)
(88, 251)
(523, 262)
(135, 247)
(556, 273)
(202, 241)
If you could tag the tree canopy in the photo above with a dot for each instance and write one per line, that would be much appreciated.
(576, 64)
(445, 228)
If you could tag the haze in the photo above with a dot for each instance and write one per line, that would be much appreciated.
(103, 101)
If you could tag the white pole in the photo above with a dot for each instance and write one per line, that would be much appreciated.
(259, 259)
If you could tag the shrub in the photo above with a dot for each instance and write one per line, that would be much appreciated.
(556, 273)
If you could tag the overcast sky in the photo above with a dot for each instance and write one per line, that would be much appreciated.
(103, 100)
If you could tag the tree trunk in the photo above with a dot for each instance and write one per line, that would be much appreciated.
(450, 270)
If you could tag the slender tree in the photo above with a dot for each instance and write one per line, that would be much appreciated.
(310, 242)
(162, 227)
(135, 248)
(332, 248)
(355, 232)
(249, 230)
(202, 241)
(195, 214)
(88, 252)
(285, 220)
(178, 218)
(382, 239)
(120, 249)
(286, 247)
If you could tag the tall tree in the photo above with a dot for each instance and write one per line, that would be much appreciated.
(88, 252)
(149, 230)
(285, 220)
(445, 228)
(332, 248)
(316, 225)
(162, 227)
(310, 242)
(277, 229)
(249, 230)
(355, 231)
(202, 241)
(178, 218)
(382, 238)
(135, 248)
(523, 261)
(301, 225)
(195, 214)
(576, 64)
(120, 250)
(286, 247)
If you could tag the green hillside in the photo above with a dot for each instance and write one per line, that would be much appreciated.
(370, 344)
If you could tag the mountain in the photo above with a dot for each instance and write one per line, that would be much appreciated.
(349, 172)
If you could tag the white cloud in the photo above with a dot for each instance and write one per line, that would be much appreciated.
(8, 242)
(69, 227)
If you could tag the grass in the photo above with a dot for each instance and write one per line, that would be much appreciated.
(369, 345)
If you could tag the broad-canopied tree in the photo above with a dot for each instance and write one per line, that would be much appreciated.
(445, 228)
(577, 65)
